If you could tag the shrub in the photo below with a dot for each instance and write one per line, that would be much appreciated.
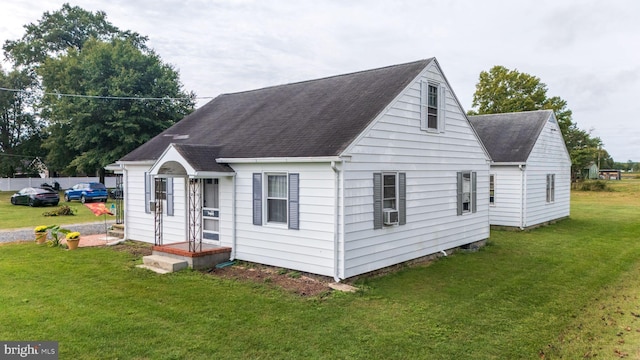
(594, 185)
(63, 210)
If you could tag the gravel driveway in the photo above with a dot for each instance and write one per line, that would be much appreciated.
(27, 233)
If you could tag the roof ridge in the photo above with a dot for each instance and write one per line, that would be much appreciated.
(513, 112)
(426, 61)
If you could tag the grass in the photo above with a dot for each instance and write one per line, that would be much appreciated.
(18, 216)
(564, 291)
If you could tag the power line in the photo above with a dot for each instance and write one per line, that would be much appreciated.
(109, 97)
(14, 155)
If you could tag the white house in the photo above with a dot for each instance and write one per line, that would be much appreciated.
(337, 176)
(530, 179)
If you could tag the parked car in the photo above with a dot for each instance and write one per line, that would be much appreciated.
(35, 197)
(116, 193)
(84, 192)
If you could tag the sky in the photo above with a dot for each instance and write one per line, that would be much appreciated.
(586, 52)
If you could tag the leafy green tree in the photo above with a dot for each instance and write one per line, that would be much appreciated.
(95, 131)
(501, 90)
(74, 51)
(20, 130)
(57, 32)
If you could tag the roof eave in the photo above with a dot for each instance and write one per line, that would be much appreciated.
(311, 159)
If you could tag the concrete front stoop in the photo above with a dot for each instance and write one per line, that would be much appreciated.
(117, 230)
(163, 264)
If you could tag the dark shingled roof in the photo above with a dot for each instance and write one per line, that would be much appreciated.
(510, 137)
(201, 157)
(306, 119)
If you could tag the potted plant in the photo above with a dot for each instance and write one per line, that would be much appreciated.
(41, 233)
(73, 238)
(56, 232)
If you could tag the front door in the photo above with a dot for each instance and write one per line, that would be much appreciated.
(210, 212)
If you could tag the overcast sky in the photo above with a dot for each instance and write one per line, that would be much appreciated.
(587, 52)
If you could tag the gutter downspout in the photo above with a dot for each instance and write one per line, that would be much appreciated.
(336, 218)
(523, 200)
(233, 220)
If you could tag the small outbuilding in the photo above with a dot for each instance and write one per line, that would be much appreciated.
(530, 177)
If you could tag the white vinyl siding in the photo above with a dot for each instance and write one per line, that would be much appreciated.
(507, 210)
(395, 143)
(139, 223)
(523, 189)
(309, 248)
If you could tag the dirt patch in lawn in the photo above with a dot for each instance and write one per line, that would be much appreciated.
(293, 281)
(302, 284)
(136, 248)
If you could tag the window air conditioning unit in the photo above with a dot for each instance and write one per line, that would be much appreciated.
(390, 217)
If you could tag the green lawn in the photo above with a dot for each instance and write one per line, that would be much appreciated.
(567, 291)
(19, 216)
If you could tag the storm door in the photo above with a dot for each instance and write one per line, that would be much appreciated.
(210, 211)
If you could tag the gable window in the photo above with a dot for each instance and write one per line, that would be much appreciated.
(551, 187)
(432, 105)
(389, 199)
(492, 189)
(466, 192)
(280, 203)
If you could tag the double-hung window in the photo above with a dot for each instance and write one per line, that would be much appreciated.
(551, 187)
(432, 106)
(158, 189)
(276, 199)
(389, 199)
(466, 192)
(492, 189)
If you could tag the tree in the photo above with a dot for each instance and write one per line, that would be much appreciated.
(57, 32)
(94, 132)
(20, 130)
(74, 51)
(502, 90)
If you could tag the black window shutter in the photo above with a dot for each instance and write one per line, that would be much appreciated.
(474, 196)
(459, 191)
(377, 201)
(169, 196)
(294, 201)
(402, 198)
(257, 199)
(147, 192)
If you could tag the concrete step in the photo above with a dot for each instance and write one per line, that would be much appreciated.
(116, 233)
(117, 230)
(165, 263)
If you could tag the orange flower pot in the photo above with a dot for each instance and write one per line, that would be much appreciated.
(41, 237)
(73, 243)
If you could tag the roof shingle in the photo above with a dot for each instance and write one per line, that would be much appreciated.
(306, 119)
(510, 137)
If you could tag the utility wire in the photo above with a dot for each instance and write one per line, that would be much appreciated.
(109, 97)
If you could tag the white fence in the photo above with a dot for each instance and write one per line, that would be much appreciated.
(15, 184)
